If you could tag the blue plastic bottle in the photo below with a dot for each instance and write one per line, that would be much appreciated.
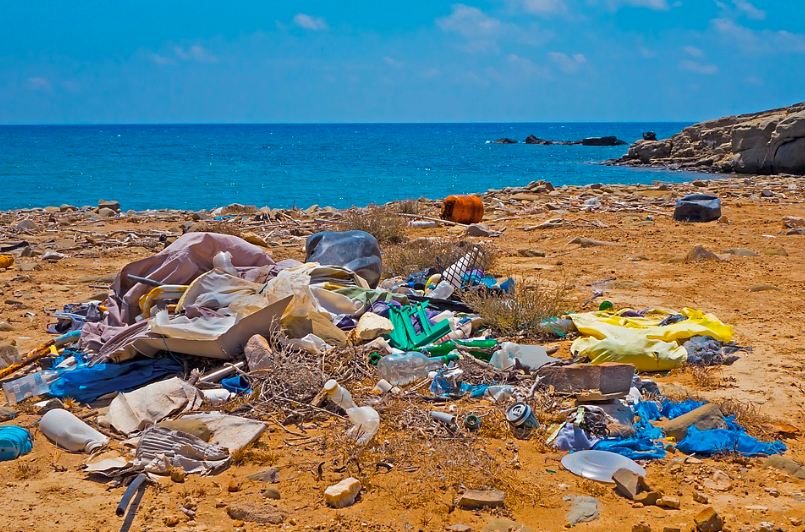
(14, 442)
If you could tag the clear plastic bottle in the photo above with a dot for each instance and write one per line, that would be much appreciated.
(557, 327)
(30, 385)
(66, 430)
(339, 395)
(408, 367)
(366, 422)
(443, 290)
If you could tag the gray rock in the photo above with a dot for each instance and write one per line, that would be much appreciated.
(113, 205)
(530, 253)
(705, 417)
(270, 475)
(699, 253)
(475, 499)
(740, 252)
(68, 208)
(6, 326)
(259, 354)
(106, 212)
(28, 225)
(582, 510)
(629, 484)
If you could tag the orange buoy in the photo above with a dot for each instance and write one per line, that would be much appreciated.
(463, 209)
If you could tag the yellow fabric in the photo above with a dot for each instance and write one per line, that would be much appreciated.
(611, 337)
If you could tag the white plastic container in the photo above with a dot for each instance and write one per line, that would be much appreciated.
(366, 421)
(65, 430)
(339, 395)
(217, 396)
(443, 290)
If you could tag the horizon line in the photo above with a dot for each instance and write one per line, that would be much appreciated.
(342, 123)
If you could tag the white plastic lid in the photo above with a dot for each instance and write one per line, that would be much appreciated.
(330, 386)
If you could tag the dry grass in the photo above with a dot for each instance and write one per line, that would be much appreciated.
(222, 228)
(25, 471)
(237, 208)
(408, 206)
(382, 222)
(415, 256)
(521, 312)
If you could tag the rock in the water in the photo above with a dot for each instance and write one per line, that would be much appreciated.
(708, 520)
(265, 513)
(699, 253)
(258, 353)
(582, 510)
(705, 417)
(649, 135)
(372, 325)
(602, 141)
(344, 493)
(475, 499)
(504, 140)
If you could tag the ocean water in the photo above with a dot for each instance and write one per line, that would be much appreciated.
(280, 165)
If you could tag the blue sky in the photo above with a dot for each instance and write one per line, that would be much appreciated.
(413, 61)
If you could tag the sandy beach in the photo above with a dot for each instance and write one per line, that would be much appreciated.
(759, 296)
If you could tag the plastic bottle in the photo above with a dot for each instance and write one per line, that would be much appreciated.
(410, 366)
(443, 290)
(66, 430)
(14, 442)
(557, 327)
(29, 385)
(366, 421)
(339, 395)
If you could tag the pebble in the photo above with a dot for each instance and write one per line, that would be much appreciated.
(708, 520)
(698, 496)
(669, 502)
(271, 492)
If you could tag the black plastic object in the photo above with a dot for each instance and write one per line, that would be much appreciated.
(697, 208)
(356, 250)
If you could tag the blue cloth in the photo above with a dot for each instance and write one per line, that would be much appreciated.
(641, 446)
(707, 442)
(673, 410)
(237, 384)
(87, 383)
(573, 438)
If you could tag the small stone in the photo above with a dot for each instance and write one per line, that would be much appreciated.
(344, 493)
(774, 492)
(271, 492)
(628, 483)
(671, 529)
(582, 510)
(641, 527)
(708, 520)
(762, 288)
(171, 521)
(28, 225)
(474, 499)
(766, 193)
(259, 354)
(372, 325)
(178, 474)
(234, 486)
(740, 252)
(480, 230)
(699, 253)
(649, 498)
(700, 497)
(29, 267)
(67, 208)
(6, 326)
(779, 252)
(669, 502)
(106, 213)
(720, 481)
(266, 513)
(7, 413)
(269, 476)
(526, 252)
(458, 528)
(113, 205)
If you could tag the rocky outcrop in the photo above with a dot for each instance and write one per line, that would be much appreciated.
(769, 142)
(590, 141)
(504, 140)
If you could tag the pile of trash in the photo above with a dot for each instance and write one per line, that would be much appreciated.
(196, 346)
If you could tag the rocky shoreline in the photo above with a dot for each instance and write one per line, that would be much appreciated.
(767, 142)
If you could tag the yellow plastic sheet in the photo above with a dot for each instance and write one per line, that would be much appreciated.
(641, 341)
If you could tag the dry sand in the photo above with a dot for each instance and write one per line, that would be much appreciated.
(46, 490)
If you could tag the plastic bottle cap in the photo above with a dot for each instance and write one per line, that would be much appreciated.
(330, 386)
(93, 446)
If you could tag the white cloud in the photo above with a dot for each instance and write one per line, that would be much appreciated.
(763, 41)
(195, 53)
(390, 61)
(699, 68)
(567, 63)
(160, 59)
(751, 12)
(480, 30)
(693, 51)
(754, 80)
(656, 5)
(430, 73)
(39, 84)
(307, 22)
(545, 7)
(647, 53)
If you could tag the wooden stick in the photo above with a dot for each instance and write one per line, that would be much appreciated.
(432, 219)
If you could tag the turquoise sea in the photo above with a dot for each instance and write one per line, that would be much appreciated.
(279, 165)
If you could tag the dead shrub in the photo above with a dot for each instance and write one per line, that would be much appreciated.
(382, 222)
(222, 228)
(415, 256)
(522, 311)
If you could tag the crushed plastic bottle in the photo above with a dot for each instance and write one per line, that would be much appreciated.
(410, 366)
(560, 327)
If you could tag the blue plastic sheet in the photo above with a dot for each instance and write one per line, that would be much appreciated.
(87, 383)
(707, 442)
(237, 384)
(641, 446)
(673, 410)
